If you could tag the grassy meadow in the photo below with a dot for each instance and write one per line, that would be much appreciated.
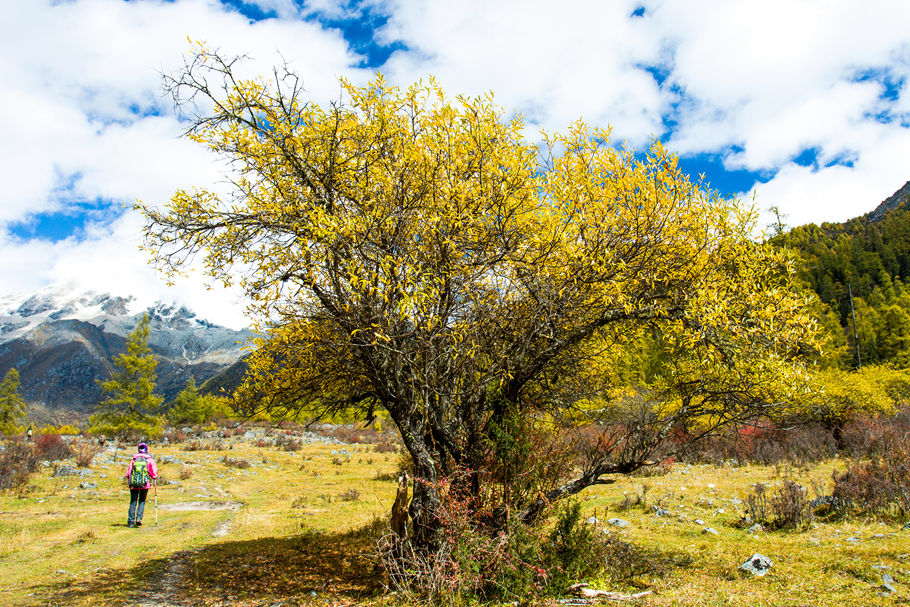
(241, 524)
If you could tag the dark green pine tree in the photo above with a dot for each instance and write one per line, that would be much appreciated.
(129, 409)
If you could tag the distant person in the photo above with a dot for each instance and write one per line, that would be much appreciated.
(29, 432)
(140, 473)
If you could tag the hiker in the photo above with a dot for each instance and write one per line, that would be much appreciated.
(139, 475)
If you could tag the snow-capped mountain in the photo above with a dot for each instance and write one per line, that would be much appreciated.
(61, 341)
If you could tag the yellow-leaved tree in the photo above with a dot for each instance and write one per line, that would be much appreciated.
(417, 254)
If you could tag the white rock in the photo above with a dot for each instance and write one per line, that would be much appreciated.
(757, 565)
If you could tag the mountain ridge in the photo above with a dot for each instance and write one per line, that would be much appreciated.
(62, 341)
(893, 202)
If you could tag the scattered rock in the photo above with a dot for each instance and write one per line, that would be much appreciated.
(755, 528)
(88, 485)
(709, 530)
(618, 522)
(70, 471)
(757, 565)
(853, 539)
(593, 521)
(698, 521)
(658, 511)
(168, 459)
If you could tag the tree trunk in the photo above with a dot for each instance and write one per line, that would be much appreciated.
(425, 503)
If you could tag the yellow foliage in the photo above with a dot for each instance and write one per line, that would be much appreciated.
(62, 429)
(406, 251)
(839, 396)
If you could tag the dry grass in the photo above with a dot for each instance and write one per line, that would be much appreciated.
(299, 532)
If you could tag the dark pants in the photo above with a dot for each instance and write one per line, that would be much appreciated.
(137, 505)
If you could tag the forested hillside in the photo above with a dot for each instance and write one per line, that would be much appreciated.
(869, 255)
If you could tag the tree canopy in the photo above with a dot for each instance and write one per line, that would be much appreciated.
(418, 254)
(868, 257)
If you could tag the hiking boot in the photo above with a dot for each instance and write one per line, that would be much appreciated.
(129, 524)
(138, 523)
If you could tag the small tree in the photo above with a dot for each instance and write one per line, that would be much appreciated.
(131, 401)
(12, 405)
(190, 407)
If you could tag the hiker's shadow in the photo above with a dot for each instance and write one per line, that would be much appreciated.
(337, 565)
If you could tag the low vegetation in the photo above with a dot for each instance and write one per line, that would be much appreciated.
(309, 527)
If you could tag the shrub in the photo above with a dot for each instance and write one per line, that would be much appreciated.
(185, 473)
(763, 443)
(790, 506)
(787, 508)
(52, 448)
(351, 495)
(198, 445)
(476, 560)
(639, 499)
(879, 486)
(385, 446)
(17, 462)
(288, 443)
(174, 436)
(85, 452)
(757, 503)
(235, 463)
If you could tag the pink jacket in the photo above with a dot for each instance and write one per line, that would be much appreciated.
(152, 468)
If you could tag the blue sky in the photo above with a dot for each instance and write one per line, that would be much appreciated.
(796, 104)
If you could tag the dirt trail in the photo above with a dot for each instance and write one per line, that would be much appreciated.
(162, 590)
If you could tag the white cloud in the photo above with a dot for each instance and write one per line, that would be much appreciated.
(838, 193)
(109, 260)
(74, 75)
(554, 62)
(757, 83)
(777, 77)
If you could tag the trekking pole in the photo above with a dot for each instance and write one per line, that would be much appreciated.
(156, 502)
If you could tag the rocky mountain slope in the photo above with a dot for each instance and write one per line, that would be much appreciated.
(61, 341)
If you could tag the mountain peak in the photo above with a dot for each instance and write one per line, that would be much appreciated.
(62, 339)
(889, 204)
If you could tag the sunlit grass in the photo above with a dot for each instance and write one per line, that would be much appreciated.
(304, 527)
